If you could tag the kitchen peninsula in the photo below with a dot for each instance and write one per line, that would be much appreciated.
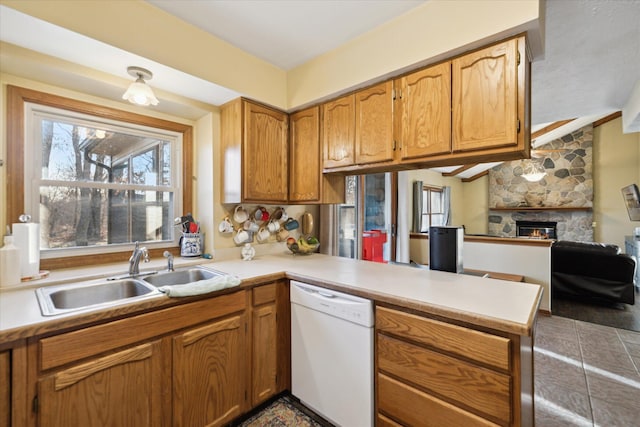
(482, 329)
(521, 256)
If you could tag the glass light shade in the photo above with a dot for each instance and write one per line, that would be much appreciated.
(534, 172)
(140, 93)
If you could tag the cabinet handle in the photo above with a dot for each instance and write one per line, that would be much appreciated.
(78, 373)
(395, 144)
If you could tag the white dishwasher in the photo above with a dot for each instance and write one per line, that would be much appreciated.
(332, 354)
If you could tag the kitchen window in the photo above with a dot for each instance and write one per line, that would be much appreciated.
(96, 179)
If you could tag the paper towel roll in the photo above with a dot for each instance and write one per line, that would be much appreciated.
(26, 236)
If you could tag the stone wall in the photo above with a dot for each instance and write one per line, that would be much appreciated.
(568, 184)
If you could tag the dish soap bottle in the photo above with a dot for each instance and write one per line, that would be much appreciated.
(9, 263)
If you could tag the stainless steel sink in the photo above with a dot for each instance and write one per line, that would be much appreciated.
(55, 300)
(181, 277)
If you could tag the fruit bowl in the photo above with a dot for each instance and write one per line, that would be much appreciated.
(303, 245)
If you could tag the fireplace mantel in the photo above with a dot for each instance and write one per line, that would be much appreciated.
(543, 208)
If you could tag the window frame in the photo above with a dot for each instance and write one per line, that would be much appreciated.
(16, 99)
(427, 215)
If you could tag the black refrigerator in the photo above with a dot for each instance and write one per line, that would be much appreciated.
(445, 248)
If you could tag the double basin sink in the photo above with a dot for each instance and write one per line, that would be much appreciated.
(76, 296)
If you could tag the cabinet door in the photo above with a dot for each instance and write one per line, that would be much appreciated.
(305, 172)
(338, 130)
(425, 112)
(485, 98)
(5, 392)
(121, 389)
(374, 124)
(209, 382)
(264, 154)
(264, 367)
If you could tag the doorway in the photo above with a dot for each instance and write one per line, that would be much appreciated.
(366, 222)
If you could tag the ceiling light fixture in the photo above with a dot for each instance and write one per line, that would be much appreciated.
(533, 171)
(139, 92)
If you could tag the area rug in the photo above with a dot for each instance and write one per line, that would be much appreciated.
(616, 315)
(284, 412)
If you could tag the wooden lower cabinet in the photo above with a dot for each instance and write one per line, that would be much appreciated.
(208, 373)
(206, 362)
(270, 341)
(183, 365)
(5, 391)
(434, 373)
(264, 352)
(121, 389)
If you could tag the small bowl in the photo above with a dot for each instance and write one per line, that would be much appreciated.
(307, 249)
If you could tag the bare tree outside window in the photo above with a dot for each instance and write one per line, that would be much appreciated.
(100, 183)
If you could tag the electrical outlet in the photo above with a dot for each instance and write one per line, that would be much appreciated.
(594, 224)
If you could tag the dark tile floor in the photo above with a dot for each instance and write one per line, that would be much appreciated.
(617, 315)
(585, 374)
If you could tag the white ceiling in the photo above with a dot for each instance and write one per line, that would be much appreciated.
(287, 33)
(590, 65)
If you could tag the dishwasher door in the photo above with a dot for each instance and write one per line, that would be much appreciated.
(332, 357)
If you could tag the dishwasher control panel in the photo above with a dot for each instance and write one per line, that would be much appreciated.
(343, 306)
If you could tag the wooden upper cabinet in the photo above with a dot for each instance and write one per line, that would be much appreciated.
(305, 172)
(485, 97)
(423, 112)
(374, 124)
(254, 153)
(338, 132)
(307, 183)
(265, 154)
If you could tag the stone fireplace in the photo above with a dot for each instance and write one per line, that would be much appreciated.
(563, 196)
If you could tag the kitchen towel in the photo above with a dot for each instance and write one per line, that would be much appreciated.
(201, 286)
(26, 236)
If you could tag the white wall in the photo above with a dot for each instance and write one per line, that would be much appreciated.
(533, 262)
(616, 158)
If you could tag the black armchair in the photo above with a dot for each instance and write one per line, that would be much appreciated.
(592, 270)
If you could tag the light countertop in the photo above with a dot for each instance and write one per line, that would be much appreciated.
(501, 305)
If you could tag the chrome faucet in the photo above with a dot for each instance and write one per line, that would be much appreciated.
(134, 261)
(169, 258)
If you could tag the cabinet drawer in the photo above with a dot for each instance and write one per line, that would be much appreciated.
(65, 348)
(479, 346)
(382, 421)
(472, 386)
(264, 294)
(416, 408)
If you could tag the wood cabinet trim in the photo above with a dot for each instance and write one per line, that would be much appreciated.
(78, 373)
(194, 335)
